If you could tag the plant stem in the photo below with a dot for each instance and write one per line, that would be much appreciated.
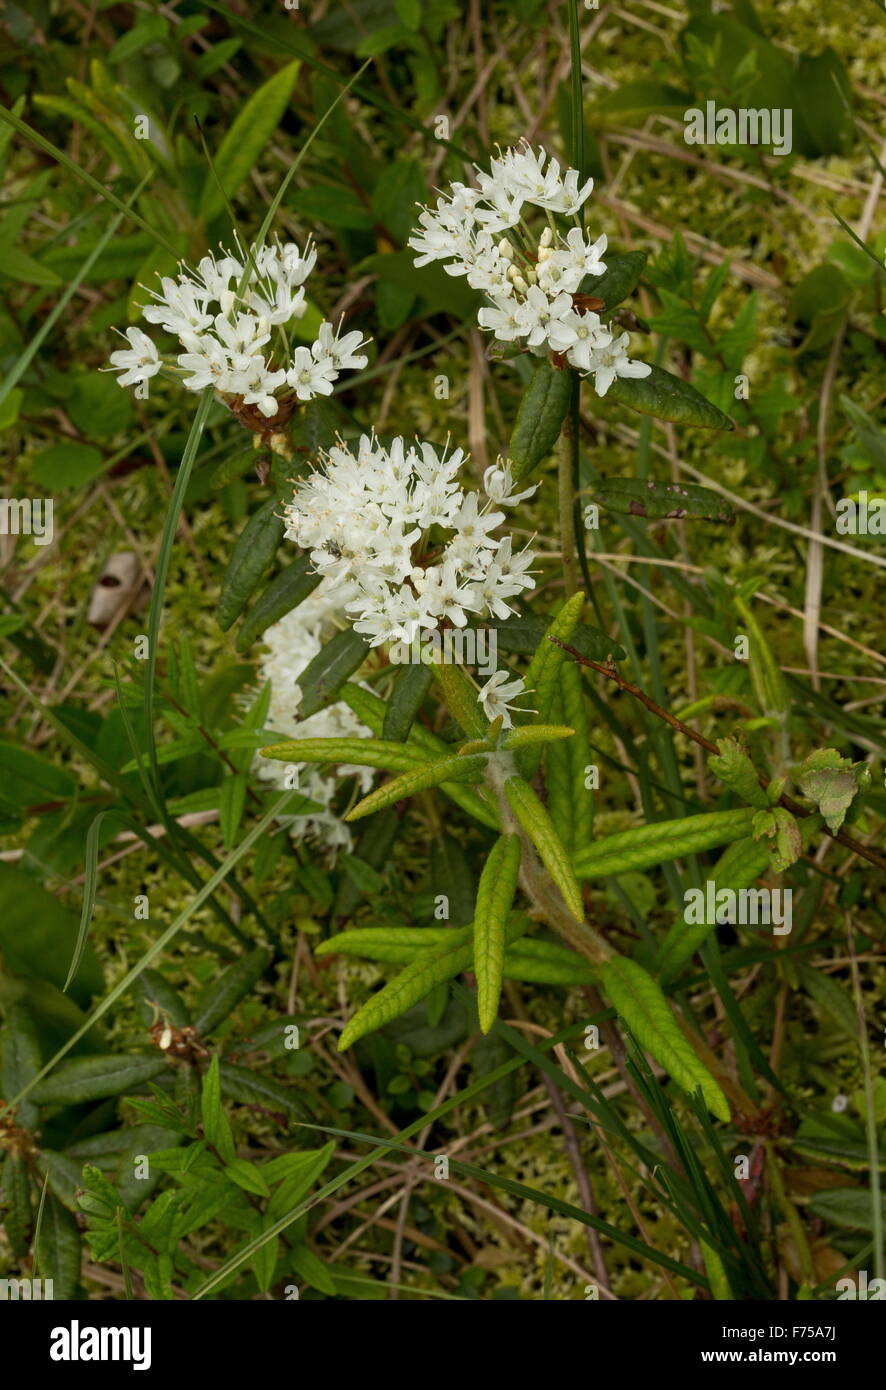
(566, 445)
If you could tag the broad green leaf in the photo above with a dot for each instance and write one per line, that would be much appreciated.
(329, 669)
(668, 397)
(640, 1002)
(662, 501)
(234, 984)
(418, 779)
(38, 935)
(661, 842)
(247, 1176)
(92, 1078)
(621, 276)
(495, 895)
(252, 555)
(432, 967)
(245, 140)
(832, 783)
(538, 825)
(283, 594)
(312, 1270)
(405, 701)
(540, 418)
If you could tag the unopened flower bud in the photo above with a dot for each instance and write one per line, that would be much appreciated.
(545, 239)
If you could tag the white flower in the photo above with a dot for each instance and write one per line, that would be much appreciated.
(291, 644)
(230, 315)
(367, 521)
(137, 363)
(612, 361)
(496, 693)
(498, 485)
(532, 285)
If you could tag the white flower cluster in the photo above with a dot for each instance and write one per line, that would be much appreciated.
(533, 287)
(232, 328)
(373, 519)
(292, 643)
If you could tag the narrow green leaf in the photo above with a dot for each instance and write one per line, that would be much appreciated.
(495, 895)
(245, 139)
(419, 779)
(540, 828)
(662, 841)
(329, 669)
(361, 752)
(234, 984)
(92, 1078)
(216, 1126)
(640, 1002)
(285, 592)
(527, 734)
(432, 967)
(460, 698)
(252, 555)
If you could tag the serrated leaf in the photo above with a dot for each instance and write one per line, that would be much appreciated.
(736, 771)
(851, 1207)
(668, 397)
(640, 1002)
(538, 825)
(495, 895)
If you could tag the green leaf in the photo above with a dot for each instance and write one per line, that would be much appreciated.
(234, 984)
(830, 996)
(662, 501)
(528, 734)
(57, 1249)
(406, 699)
(216, 1126)
(540, 828)
(544, 669)
(312, 1270)
(290, 588)
(667, 397)
(540, 418)
(847, 1206)
(460, 698)
(495, 895)
(92, 1078)
(247, 1176)
(782, 828)
(38, 935)
(735, 769)
(547, 963)
(393, 945)
(661, 842)
(619, 279)
(640, 1002)
(643, 98)
(331, 667)
(524, 634)
(296, 1173)
(766, 676)
(17, 265)
(431, 968)
(245, 140)
(361, 752)
(832, 783)
(252, 555)
(62, 466)
(469, 769)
